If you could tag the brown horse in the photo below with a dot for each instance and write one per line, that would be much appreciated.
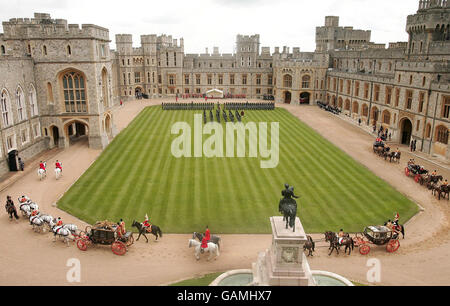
(334, 242)
(309, 245)
(443, 189)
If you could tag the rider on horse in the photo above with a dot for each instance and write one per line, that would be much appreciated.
(59, 222)
(341, 236)
(23, 199)
(42, 166)
(204, 244)
(147, 224)
(10, 208)
(58, 165)
(207, 234)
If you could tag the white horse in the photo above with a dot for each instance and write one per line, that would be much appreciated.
(212, 248)
(58, 173)
(48, 220)
(62, 233)
(41, 172)
(27, 208)
(71, 227)
(37, 223)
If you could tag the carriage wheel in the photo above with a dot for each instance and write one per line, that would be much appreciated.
(406, 171)
(416, 178)
(81, 235)
(118, 248)
(364, 249)
(392, 245)
(82, 244)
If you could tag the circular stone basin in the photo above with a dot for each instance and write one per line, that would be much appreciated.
(322, 280)
(240, 279)
(245, 278)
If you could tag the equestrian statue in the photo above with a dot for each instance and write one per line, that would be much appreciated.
(288, 206)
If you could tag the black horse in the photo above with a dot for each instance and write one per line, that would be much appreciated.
(11, 210)
(289, 211)
(214, 239)
(309, 245)
(334, 242)
(155, 230)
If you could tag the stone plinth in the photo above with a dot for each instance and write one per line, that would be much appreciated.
(284, 264)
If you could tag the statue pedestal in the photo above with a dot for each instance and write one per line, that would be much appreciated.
(284, 264)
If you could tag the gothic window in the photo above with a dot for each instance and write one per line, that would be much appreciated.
(21, 108)
(3, 50)
(74, 89)
(388, 95)
(244, 79)
(377, 92)
(69, 50)
(386, 117)
(409, 98)
(446, 107)
(33, 102)
(306, 81)
(442, 134)
(44, 49)
(49, 93)
(287, 81)
(6, 109)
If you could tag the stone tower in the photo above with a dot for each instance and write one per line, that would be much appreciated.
(60, 51)
(332, 36)
(428, 28)
(247, 50)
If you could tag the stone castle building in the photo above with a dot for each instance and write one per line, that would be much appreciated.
(59, 81)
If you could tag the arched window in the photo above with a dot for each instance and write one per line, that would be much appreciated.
(69, 50)
(365, 110)
(49, 93)
(6, 109)
(347, 104)
(386, 117)
(74, 92)
(3, 50)
(442, 134)
(428, 131)
(287, 81)
(44, 49)
(21, 107)
(355, 107)
(305, 81)
(33, 102)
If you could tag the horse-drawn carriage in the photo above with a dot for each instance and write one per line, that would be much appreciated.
(416, 170)
(105, 233)
(377, 235)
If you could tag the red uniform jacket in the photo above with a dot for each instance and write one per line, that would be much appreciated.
(207, 235)
(204, 243)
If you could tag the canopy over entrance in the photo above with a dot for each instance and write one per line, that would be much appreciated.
(214, 93)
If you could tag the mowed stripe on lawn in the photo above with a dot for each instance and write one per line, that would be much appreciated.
(137, 175)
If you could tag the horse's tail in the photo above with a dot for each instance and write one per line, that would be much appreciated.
(159, 232)
(292, 221)
(403, 231)
(353, 243)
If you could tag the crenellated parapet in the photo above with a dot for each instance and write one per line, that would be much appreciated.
(43, 27)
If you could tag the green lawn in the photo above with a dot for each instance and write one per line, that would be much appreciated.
(137, 174)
